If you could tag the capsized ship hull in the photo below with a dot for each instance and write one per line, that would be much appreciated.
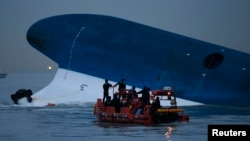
(114, 48)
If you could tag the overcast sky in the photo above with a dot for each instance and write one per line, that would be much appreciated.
(222, 22)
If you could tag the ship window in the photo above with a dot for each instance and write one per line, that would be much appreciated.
(213, 60)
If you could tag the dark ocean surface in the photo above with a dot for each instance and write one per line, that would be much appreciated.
(77, 123)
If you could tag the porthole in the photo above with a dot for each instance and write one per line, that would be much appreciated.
(213, 60)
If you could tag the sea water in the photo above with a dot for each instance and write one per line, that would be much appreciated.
(77, 123)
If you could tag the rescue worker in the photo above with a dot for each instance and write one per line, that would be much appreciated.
(124, 102)
(122, 86)
(116, 103)
(155, 104)
(108, 102)
(106, 87)
(140, 106)
(145, 94)
(131, 93)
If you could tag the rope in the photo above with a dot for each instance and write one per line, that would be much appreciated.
(71, 51)
(195, 95)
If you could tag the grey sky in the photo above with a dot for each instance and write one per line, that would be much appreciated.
(223, 22)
